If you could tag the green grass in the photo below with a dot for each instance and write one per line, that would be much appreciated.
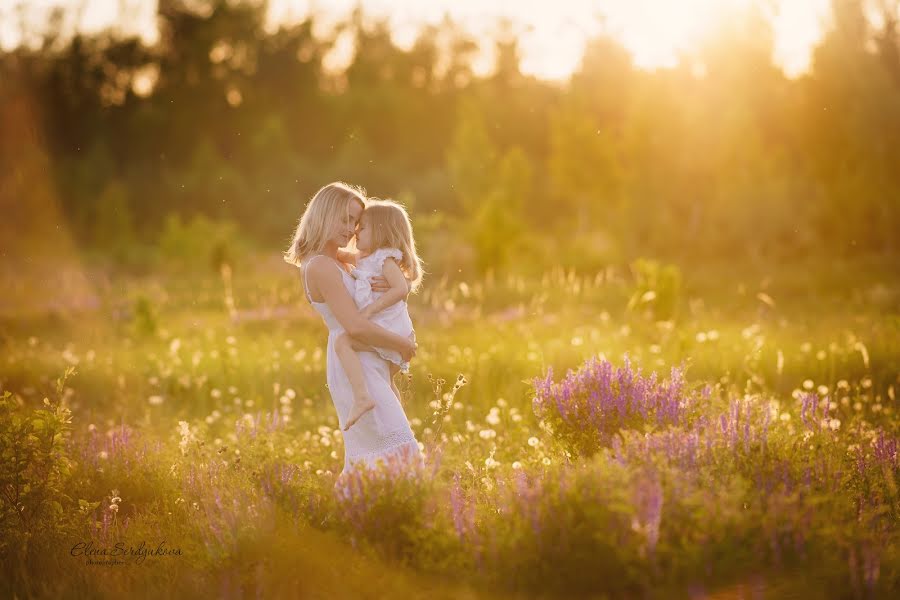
(242, 530)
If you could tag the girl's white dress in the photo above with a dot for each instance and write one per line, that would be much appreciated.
(382, 432)
(394, 318)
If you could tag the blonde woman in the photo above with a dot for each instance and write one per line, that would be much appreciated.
(327, 225)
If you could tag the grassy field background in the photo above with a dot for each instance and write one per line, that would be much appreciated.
(192, 409)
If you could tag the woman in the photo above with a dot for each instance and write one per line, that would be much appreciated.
(327, 224)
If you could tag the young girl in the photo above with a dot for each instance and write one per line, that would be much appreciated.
(386, 247)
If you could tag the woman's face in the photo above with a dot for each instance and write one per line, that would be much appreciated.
(345, 227)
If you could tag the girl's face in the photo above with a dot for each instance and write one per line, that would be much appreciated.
(345, 227)
(364, 236)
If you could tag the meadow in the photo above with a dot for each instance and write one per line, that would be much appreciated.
(647, 431)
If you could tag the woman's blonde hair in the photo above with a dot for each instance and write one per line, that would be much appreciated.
(391, 228)
(328, 205)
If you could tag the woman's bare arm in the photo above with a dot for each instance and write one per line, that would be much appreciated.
(327, 280)
(398, 290)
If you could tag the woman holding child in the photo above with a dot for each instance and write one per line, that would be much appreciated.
(370, 335)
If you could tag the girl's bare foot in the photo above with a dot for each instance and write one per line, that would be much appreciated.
(360, 407)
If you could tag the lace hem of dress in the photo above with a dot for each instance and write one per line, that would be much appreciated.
(390, 443)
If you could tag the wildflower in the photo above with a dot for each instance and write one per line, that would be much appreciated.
(808, 384)
(186, 436)
(103, 455)
(785, 416)
(155, 400)
(114, 508)
(823, 390)
(516, 465)
(490, 463)
(487, 434)
(493, 417)
(533, 442)
(215, 393)
(866, 383)
(546, 460)
(834, 424)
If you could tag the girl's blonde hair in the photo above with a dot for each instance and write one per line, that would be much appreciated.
(391, 228)
(327, 206)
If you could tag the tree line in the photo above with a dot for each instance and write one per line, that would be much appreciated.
(722, 155)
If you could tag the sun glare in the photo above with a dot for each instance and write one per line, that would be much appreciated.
(551, 34)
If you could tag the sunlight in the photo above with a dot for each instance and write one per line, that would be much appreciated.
(656, 31)
(552, 35)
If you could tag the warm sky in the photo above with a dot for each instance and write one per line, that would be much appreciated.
(552, 31)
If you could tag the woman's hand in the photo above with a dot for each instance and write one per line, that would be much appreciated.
(380, 284)
(409, 353)
(347, 257)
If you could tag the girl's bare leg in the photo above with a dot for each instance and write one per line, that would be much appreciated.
(394, 370)
(362, 401)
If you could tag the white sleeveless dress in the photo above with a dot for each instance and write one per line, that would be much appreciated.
(383, 431)
(394, 318)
